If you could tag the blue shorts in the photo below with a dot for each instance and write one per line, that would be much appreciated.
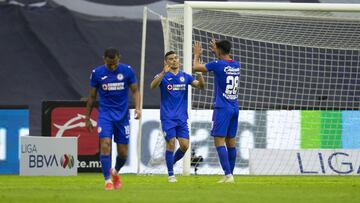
(175, 128)
(120, 130)
(224, 122)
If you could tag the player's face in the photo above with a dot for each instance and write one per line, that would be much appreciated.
(173, 61)
(112, 63)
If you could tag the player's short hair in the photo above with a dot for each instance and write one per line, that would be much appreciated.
(224, 46)
(111, 53)
(169, 53)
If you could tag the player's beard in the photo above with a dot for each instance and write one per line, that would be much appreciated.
(174, 67)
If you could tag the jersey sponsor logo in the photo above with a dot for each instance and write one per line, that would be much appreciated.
(113, 86)
(120, 76)
(230, 97)
(232, 70)
(176, 87)
(103, 78)
(182, 79)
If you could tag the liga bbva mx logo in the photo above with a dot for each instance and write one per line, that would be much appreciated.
(67, 160)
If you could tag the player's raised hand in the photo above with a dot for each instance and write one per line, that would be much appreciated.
(137, 113)
(213, 45)
(88, 125)
(197, 49)
(166, 67)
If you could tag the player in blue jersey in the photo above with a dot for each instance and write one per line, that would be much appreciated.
(226, 109)
(112, 81)
(173, 85)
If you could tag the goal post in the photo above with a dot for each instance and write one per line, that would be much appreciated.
(156, 163)
(299, 86)
(299, 79)
(188, 7)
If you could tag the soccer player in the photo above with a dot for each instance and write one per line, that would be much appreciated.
(173, 85)
(226, 109)
(112, 81)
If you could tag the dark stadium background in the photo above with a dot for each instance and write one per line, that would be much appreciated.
(48, 50)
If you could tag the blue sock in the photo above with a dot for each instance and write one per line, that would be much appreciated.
(232, 158)
(119, 163)
(105, 165)
(169, 156)
(224, 159)
(178, 155)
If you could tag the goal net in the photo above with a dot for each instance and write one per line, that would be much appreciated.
(299, 87)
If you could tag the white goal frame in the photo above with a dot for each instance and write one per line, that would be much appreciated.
(269, 6)
(188, 7)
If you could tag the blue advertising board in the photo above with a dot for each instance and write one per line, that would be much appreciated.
(13, 124)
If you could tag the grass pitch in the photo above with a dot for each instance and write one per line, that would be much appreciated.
(204, 189)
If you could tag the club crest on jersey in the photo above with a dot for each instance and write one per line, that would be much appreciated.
(182, 79)
(120, 76)
(169, 87)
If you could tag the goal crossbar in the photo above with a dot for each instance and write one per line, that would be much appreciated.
(270, 6)
(188, 7)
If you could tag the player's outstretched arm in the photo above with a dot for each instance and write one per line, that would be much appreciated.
(197, 65)
(199, 82)
(89, 106)
(136, 98)
(157, 80)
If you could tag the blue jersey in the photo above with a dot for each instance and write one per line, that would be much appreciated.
(174, 95)
(113, 88)
(226, 83)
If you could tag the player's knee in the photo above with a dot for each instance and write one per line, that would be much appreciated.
(123, 154)
(184, 147)
(170, 144)
(184, 144)
(105, 148)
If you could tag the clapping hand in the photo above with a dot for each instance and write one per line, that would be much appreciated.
(213, 45)
(197, 49)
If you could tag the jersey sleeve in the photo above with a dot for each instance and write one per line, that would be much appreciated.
(132, 77)
(190, 78)
(93, 80)
(211, 66)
